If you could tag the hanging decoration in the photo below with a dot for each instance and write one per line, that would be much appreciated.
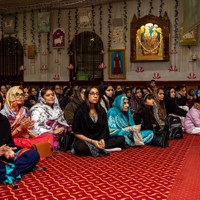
(48, 42)
(16, 25)
(176, 24)
(59, 38)
(69, 28)
(93, 19)
(151, 6)
(39, 34)
(16, 32)
(100, 19)
(2, 29)
(102, 66)
(24, 33)
(70, 66)
(138, 9)
(161, 7)
(125, 23)
(109, 25)
(32, 27)
(43, 22)
(22, 68)
(76, 21)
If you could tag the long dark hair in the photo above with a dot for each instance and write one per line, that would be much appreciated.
(97, 106)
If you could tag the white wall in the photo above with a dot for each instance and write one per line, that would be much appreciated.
(57, 62)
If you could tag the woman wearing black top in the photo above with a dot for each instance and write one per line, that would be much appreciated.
(90, 127)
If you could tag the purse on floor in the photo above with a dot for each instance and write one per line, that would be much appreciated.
(43, 149)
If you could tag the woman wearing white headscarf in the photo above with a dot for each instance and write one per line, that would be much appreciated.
(48, 116)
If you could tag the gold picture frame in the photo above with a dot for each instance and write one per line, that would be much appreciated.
(117, 64)
(150, 38)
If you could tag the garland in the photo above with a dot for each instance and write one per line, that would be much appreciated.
(100, 19)
(39, 40)
(59, 26)
(24, 33)
(15, 30)
(32, 27)
(59, 16)
(2, 30)
(176, 24)
(125, 22)
(69, 28)
(109, 25)
(148, 50)
(76, 21)
(151, 6)
(138, 8)
(93, 19)
(161, 7)
(48, 42)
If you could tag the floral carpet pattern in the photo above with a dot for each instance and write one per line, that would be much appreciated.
(138, 173)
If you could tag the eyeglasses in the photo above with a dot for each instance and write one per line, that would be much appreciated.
(93, 93)
(19, 94)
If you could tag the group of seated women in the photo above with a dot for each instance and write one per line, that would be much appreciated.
(99, 118)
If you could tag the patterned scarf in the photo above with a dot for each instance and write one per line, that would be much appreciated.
(12, 111)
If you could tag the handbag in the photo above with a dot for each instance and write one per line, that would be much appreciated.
(43, 149)
(66, 141)
(160, 138)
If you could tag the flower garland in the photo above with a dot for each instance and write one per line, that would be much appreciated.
(125, 22)
(48, 42)
(148, 50)
(59, 16)
(39, 40)
(100, 19)
(24, 33)
(109, 25)
(93, 19)
(161, 7)
(138, 8)
(16, 32)
(59, 26)
(176, 24)
(69, 28)
(2, 30)
(151, 6)
(32, 27)
(76, 21)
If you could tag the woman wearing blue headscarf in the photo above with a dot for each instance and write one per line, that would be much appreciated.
(119, 118)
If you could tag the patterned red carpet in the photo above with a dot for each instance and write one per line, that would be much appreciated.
(134, 173)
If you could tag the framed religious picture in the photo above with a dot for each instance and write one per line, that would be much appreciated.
(9, 24)
(189, 38)
(43, 22)
(31, 51)
(117, 64)
(150, 38)
(59, 38)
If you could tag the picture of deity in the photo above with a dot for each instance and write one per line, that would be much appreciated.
(149, 41)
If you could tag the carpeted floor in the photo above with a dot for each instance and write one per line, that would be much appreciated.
(134, 173)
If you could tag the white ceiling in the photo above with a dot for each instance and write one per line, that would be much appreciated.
(9, 6)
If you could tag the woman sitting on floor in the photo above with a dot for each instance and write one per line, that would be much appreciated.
(14, 161)
(73, 105)
(192, 119)
(19, 118)
(159, 109)
(171, 106)
(119, 118)
(91, 127)
(48, 117)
